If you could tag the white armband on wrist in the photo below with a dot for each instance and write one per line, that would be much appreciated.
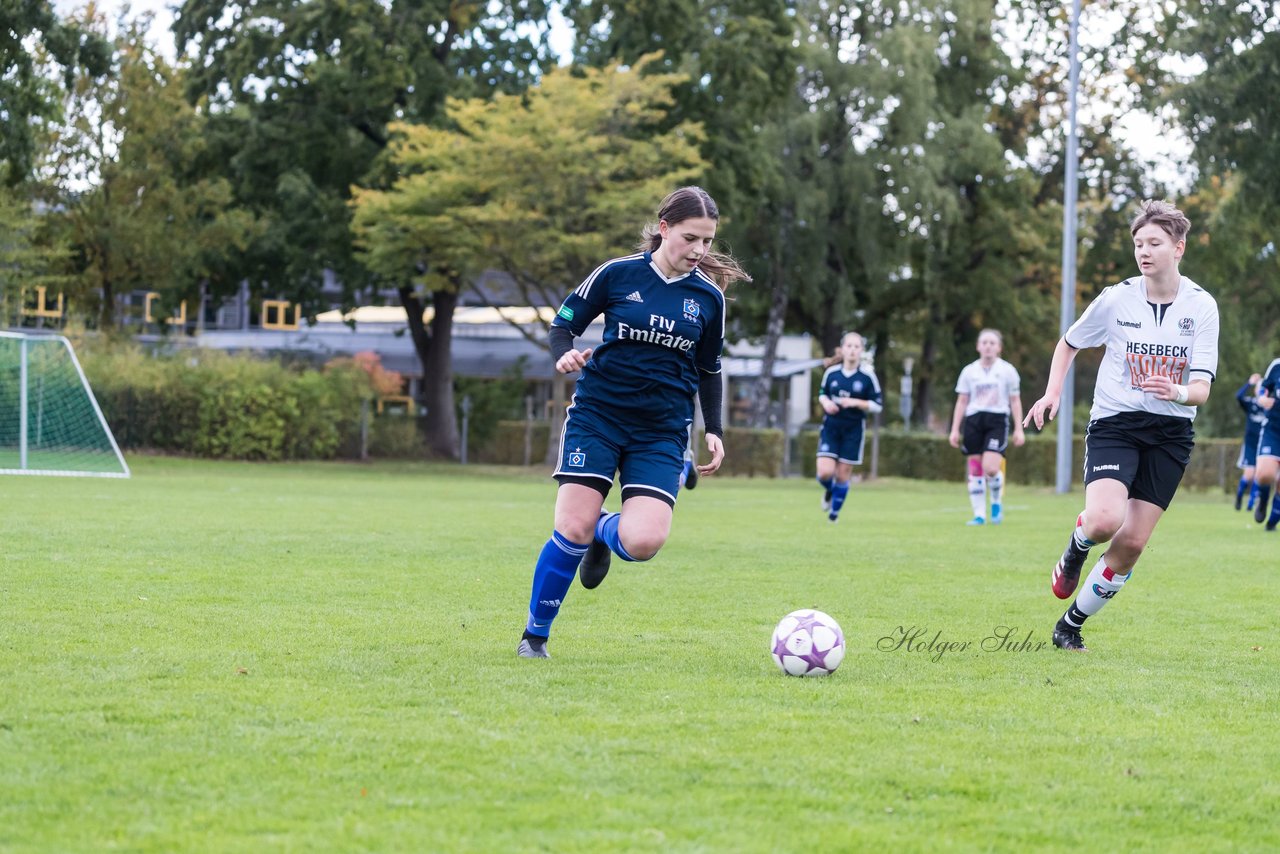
(1180, 393)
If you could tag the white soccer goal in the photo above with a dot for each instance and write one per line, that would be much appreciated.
(50, 423)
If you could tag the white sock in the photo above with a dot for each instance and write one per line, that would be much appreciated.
(978, 496)
(1099, 588)
(995, 483)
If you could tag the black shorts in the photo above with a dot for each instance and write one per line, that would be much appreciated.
(1147, 453)
(983, 432)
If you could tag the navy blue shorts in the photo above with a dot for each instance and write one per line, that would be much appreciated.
(595, 444)
(1268, 442)
(841, 442)
(1249, 452)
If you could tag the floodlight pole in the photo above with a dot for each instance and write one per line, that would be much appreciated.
(1066, 403)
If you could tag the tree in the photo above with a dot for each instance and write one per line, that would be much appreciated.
(36, 47)
(146, 219)
(1228, 108)
(299, 95)
(475, 195)
(32, 253)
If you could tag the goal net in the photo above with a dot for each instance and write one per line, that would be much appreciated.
(50, 423)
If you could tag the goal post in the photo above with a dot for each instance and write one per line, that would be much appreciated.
(50, 422)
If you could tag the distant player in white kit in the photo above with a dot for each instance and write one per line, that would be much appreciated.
(987, 396)
(1160, 330)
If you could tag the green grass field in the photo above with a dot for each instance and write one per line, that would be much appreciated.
(235, 657)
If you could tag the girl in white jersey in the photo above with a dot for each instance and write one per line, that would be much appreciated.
(1160, 330)
(987, 394)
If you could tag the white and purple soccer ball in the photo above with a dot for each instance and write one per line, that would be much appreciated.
(808, 643)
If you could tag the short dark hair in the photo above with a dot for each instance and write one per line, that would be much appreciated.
(1163, 214)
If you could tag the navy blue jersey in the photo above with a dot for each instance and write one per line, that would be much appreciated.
(658, 334)
(861, 384)
(1271, 385)
(1255, 416)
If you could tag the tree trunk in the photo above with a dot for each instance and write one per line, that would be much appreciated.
(924, 376)
(107, 311)
(433, 347)
(762, 387)
(831, 334)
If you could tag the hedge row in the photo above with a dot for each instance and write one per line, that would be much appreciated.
(911, 455)
(931, 457)
(211, 404)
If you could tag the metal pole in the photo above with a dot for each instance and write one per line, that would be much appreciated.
(1066, 402)
(22, 402)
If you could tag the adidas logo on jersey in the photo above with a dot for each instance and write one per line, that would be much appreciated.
(634, 296)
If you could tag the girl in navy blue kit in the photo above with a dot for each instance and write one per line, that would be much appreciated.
(664, 318)
(849, 393)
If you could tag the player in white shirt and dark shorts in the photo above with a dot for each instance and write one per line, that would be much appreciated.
(1160, 330)
(987, 393)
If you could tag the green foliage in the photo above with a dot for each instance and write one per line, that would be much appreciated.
(748, 452)
(491, 401)
(32, 252)
(475, 195)
(210, 404)
(300, 95)
(507, 445)
(37, 47)
(153, 218)
(737, 60)
(396, 437)
(923, 456)
(1228, 108)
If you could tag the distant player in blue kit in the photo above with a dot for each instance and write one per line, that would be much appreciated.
(1254, 417)
(1160, 331)
(848, 394)
(664, 313)
(1268, 448)
(988, 395)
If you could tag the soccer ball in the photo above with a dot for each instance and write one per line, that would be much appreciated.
(808, 643)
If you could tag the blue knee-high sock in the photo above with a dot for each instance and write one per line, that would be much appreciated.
(839, 491)
(1274, 519)
(1243, 485)
(826, 484)
(1264, 495)
(552, 577)
(607, 533)
(1253, 494)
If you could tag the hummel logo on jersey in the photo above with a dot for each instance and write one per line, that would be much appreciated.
(1107, 468)
(634, 296)
(1129, 323)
